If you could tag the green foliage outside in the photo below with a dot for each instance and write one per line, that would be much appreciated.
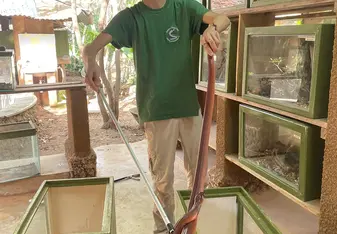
(89, 33)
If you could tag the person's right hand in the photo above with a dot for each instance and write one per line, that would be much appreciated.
(92, 76)
(92, 72)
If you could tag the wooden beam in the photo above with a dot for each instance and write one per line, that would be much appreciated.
(317, 122)
(78, 123)
(80, 156)
(328, 214)
(323, 133)
(257, 20)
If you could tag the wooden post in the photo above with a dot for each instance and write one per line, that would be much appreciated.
(328, 214)
(81, 158)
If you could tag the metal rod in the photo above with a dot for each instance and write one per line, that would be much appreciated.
(142, 173)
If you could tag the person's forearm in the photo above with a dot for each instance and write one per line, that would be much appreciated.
(91, 50)
(220, 21)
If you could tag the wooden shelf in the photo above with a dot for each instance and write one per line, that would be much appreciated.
(312, 206)
(281, 7)
(45, 87)
(317, 122)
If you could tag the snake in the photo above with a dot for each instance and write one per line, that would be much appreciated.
(189, 220)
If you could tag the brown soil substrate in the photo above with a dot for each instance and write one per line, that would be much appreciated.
(53, 129)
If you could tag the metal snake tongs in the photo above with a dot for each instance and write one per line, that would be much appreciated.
(189, 221)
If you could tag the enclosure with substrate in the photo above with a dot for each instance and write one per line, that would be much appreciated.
(283, 64)
(7, 70)
(228, 4)
(19, 153)
(71, 206)
(225, 61)
(228, 210)
(285, 151)
(257, 3)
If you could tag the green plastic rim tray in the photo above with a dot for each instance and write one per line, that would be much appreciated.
(96, 189)
(16, 130)
(244, 203)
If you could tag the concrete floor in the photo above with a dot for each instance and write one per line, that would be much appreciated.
(134, 204)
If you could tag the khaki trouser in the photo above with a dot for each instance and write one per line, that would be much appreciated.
(162, 139)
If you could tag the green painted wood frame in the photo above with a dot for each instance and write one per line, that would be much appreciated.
(257, 3)
(246, 4)
(109, 219)
(244, 201)
(321, 70)
(311, 154)
(27, 129)
(230, 74)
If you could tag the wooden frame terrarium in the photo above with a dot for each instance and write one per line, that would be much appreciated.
(71, 206)
(228, 210)
(225, 61)
(217, 5)
(257, 3)
(283, 64)
(7, 70)
(19, 153)
(287, 152)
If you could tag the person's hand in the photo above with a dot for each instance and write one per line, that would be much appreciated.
(210, 40)
(92, 71)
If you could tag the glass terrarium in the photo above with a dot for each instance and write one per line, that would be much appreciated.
(7, 71)
(19, 154)
(71, 206)
(287, 152)
(282, 67)
(228, 4)
(228, 210)
(225, 61)
(256, 3)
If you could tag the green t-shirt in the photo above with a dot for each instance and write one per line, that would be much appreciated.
(161, 42)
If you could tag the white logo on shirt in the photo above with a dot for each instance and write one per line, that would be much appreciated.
(172, 34)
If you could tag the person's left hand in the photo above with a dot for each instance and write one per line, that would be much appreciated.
(210, 40)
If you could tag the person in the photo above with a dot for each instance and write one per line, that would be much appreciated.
(160, 33)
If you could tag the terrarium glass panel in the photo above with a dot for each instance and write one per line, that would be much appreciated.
(224, 59)
(222, 211)
(256, 3)
(221, 4)
(280, 70)
(19, 154)
(220, 59)
(71, 206)
(249, 225)
(283, 65)
(272, 147)
(285, 151)
(7, 81)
